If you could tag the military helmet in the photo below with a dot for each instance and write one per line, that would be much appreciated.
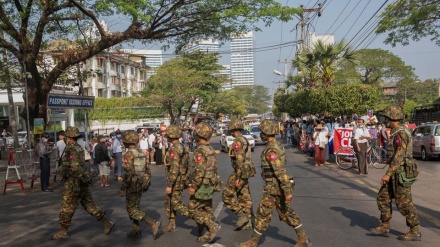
(393, 113)
(204, 130)
(131, 137)
(269, 127)
(173, 132)
(72, 131)
(235, 124)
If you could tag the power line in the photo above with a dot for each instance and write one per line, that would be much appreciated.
(356, 21)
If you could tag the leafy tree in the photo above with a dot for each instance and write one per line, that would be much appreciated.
(184, 81)
(373, 67)
(408, 107)
(30, 26)
(425, 92)
(407, 20)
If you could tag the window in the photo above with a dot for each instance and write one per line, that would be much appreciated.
(427, 131)
(122, 69)
(132, 70)
(99, 62)
(437, 130)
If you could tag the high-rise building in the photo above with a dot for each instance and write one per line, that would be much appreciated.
(153, 59)
(205, 45)
(242, 60)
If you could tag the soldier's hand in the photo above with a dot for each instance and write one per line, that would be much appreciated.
(237, 183)
(289, 197)
(385, 179)
(191, 191)
(121, 193)
(168, 190)
(216, 151)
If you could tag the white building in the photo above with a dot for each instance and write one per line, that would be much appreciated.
(326, 39)
(242, 60)
(206, 45)
(153, 59)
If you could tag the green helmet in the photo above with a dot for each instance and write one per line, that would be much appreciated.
(235, 124)
(130, 137)
(204, 130)
(269, 127)
(72, 131)
(393, 113)
(173, 132)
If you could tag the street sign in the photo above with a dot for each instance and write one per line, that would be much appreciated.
(62, 101)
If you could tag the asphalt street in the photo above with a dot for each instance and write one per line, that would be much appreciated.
(336, 207)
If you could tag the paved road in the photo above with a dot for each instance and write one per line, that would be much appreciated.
(336, 207)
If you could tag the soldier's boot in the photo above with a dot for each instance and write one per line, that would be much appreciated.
(253, 242)
(413, 235)
(303, 240)
(210, 235)
(61, 234)
(108, 225)
(134, 232)
(242, 220)
(383, 229)
(248, 226)
(170, 227)
(200, 230)
(155, 226)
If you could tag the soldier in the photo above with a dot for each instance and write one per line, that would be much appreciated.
(205, 181)
(400, 151)
(176, 161)
(76, 187)
(278, 190)
(136, 180)
(238, 184)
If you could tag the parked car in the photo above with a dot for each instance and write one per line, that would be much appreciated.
(22, 138)
(426, 140)
(255, 132)
(226, 140)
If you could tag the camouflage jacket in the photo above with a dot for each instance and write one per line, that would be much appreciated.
(73, 168)
(240, 155)
(205, 168)
(274, 158)
(173, 157)
(401, 146)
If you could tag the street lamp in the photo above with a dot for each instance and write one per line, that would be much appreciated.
(27, 105)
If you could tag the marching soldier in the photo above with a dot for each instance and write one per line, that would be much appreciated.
(395, 182)
(238, 184)
(277, 192)
(204, 183)
(76, 187)
(136, 180)
(176, 161)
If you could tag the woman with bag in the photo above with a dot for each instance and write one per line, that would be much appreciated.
(320, 141)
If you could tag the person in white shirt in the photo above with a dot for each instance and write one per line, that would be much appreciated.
(361, 137)
(319, 137)
(143, 145)
(151, 140)
(61, 144)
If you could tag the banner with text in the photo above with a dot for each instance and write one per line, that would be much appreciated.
(62, 101)
(342, 138)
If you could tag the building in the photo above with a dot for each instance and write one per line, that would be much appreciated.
(206, 45)
(390, 89)
(226, 71)
(242, 60)
(153, 59)
(326, 39)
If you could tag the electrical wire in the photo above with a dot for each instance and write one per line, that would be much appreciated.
(369, 1)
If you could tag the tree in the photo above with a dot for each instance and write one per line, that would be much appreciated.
(181, 82)
(373, 67)
(30, 26)
(407, 20)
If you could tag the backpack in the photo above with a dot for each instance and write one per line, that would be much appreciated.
(143, 175)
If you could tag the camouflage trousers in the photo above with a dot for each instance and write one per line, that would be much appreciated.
(402, 196)
(238, 198)
(132, 203)
(174, 204)
(70, 201)
(201, 211)
(267, 204)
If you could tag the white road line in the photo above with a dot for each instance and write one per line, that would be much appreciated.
(26, 233)
(218, 209)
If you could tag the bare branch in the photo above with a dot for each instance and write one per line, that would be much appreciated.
(91, 16)
(9, 28)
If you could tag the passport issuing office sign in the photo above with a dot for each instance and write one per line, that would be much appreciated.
(62, 101)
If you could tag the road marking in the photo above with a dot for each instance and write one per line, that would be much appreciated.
(218, 209)
(26, 233)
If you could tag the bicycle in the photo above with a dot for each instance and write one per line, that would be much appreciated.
(346, 157)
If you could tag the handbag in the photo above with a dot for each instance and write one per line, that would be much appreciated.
(87, 155)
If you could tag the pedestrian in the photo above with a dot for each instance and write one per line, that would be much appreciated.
(137, 176)
(76, 187)
(117, 157)
(204, 183)
(320, 140)
(44, 152)
(361, 137)
(177, 177)
(393, 182)
(102, 158)
(61, 145)
(236, 194)
(277, 192)
(151, 143)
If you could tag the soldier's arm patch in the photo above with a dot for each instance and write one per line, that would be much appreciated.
(236, 146)
(398, 141)
(172, 154)
(199, 158)
(271, 156)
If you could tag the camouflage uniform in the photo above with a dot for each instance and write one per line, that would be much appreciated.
(205, 174)
(400, 149)
(240, 154)
(278, 186)
(133, 185)
(76, 188)
(176, 177)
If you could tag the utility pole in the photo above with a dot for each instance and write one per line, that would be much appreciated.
(304, 22)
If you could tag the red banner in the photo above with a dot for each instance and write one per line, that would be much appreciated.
(342, 138)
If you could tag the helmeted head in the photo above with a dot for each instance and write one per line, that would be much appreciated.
(173, 132)
(394, 113)
(72, 132)
(268, 127)
(130, 137)
(203, 130)
(236, 124)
